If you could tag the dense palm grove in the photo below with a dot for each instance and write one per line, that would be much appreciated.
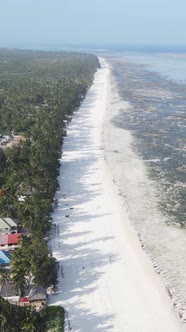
(16, 319)
(39, 91)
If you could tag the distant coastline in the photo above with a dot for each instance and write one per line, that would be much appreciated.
(98, 49)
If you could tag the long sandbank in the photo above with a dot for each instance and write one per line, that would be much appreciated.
(106, 280)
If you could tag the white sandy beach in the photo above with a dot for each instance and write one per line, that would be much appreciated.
(106, 280)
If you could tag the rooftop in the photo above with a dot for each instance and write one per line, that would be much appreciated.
(8, 239)
(4, 257)
(37, 293)
(8, 289)
(7, 223)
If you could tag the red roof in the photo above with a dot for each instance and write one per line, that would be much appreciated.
(3, 239)
(24, 299)
(14, 238)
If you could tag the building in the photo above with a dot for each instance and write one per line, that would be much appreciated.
(37, 296)
(7, 226)
(9, 292)
(4, 257)
(23, 302)
(9, 241)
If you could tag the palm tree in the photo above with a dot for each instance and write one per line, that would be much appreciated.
(20, 263)
(4, 278)
(28, 326)
(3, 321)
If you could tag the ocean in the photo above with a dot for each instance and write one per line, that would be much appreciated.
(145, 148)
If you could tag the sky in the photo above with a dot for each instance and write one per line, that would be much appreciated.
(97, 22)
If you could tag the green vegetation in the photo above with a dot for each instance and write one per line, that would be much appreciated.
(53, 319)
(15, 319)
(33, 258)
(39, 91)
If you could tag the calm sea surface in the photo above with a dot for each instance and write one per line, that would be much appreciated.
(145, 143)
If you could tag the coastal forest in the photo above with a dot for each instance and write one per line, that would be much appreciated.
(39, 92)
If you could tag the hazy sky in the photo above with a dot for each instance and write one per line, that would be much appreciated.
(93, 22)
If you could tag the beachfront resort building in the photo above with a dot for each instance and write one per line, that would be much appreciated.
(37, 297)
(9, 241)
(7, 226)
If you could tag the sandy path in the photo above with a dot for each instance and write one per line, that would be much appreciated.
(106, 281)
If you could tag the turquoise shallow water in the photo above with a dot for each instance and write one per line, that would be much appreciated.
(172, 65)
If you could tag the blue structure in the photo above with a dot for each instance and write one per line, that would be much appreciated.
(4, 257)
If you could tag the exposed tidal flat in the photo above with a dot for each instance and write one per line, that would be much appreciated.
(145, 141)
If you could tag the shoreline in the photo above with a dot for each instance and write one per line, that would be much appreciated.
(106, 279)
(141, 192)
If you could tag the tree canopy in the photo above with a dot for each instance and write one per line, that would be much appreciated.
(39, 91)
